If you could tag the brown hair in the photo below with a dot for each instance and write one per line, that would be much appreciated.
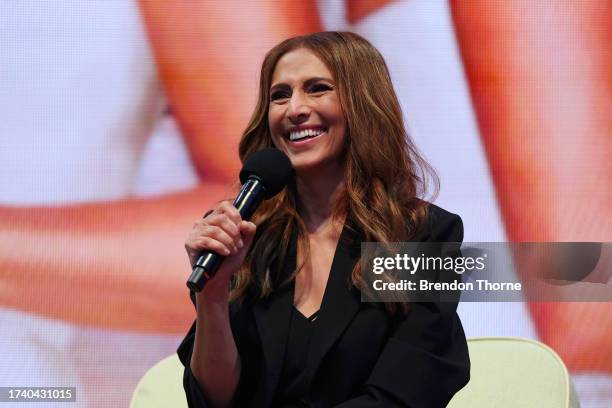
(384, 172)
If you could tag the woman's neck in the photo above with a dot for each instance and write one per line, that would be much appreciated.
(317, 198)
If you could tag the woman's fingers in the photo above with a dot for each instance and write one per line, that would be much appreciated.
(210, 244)
(227, 217)
(220, 231)
(226, 208)
(247, 230)
(218, 234)
(233, 262)
(225, 223)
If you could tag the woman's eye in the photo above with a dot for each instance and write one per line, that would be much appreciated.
(279, 95)
(320, 88)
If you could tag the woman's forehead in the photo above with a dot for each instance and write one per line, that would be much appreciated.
(299, 65)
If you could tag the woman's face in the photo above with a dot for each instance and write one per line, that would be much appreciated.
(305, 117)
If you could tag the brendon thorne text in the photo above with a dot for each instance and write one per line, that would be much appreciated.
(425, 285)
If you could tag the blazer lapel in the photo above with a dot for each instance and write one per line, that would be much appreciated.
(340, 300)
(272, 316)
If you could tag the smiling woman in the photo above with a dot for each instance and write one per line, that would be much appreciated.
(282, 324)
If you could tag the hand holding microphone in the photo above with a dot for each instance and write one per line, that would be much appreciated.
(226, 232)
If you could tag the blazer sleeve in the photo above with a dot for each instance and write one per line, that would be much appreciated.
(426, 361)
(193, 391)
(250, 358)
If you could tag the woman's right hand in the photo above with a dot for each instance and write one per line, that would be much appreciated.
(224, 232)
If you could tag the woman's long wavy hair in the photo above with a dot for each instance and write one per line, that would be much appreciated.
(384, 173)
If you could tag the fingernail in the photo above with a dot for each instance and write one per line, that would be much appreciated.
(240, 243)
(226, 251)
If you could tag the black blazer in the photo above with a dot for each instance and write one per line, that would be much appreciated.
(360, 356)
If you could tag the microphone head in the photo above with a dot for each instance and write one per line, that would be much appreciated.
(271, 166)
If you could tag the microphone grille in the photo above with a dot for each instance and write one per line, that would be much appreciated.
(271, 166)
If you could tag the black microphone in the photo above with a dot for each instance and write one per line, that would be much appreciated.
(263, 175)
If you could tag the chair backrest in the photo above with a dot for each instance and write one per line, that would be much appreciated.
(506, 372)
(161, 386)
(515, 372)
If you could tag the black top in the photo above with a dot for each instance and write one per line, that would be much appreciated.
(293, 383)
(358, 356)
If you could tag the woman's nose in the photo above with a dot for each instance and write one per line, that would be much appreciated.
(298, 110)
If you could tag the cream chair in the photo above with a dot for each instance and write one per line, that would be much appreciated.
(506, 372)
(513, 372)
(161, 386)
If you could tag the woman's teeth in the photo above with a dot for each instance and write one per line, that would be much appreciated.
(293, 136)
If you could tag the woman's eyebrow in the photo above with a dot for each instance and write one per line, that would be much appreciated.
(278, 86)
(307, 82)
(313, 80)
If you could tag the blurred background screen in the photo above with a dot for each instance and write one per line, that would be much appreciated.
(119, 124)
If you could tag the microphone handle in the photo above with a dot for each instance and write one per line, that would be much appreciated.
(250, 196)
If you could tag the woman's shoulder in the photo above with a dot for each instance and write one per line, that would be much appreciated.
(440, 226)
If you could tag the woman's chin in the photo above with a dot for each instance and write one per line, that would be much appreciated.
(307, 168)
